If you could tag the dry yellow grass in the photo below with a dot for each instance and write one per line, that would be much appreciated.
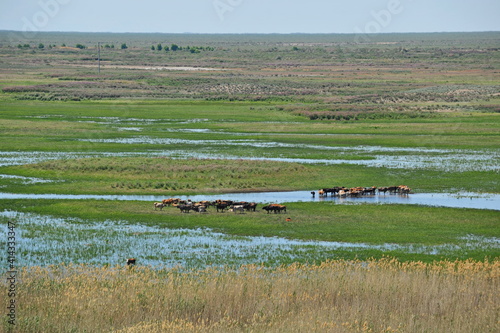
(336, 296)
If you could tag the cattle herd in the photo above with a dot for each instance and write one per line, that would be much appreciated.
(359, 191)
(185, 206)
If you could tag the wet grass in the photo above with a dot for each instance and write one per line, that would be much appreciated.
(428, 103)
(421, 112)
(63, 123)
(170, 177)
(406, 232)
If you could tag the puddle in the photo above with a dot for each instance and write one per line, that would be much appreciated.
(26, 180)
(128, 121)
(45, 240)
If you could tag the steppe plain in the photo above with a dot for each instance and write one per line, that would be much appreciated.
(185, 115)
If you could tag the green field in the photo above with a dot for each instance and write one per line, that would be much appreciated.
(254, 113)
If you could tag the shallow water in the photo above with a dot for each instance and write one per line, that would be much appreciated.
(455, 200)
(448, 159)
(45, 240)
(374, 156)
(371, 156)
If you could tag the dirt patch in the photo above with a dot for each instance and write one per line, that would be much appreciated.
(155, 68)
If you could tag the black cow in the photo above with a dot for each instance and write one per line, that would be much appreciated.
(250, 206)
(185, 208)
(221, 206)
(274, 208)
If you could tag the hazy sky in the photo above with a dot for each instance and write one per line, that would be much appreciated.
(250, 16)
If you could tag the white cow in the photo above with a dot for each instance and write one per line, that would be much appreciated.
(158, 205)
(237, 208)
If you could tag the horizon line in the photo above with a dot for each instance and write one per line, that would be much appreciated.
(248, 33)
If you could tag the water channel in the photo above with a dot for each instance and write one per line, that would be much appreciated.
(467, 160)
(455, 200)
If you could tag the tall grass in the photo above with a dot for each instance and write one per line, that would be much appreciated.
(335, 296)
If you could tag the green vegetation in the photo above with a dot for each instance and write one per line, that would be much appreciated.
(167, 176)
(256, 113)
(372, 224)
(402, 231)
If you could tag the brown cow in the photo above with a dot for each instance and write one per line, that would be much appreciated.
(383, 189)
(403, 189)
(274, 208)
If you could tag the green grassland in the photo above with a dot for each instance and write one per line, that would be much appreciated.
(375, 225)
(193, 122)
(171, 177)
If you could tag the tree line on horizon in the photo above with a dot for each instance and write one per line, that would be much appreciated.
(158, 47)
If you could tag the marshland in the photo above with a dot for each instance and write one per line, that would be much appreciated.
(230, 116)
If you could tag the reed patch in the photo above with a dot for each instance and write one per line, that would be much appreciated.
(337, 295)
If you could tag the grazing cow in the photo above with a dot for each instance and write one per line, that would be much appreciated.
(130, 261)
(383, 189)
(200, 209)
(237, 208)
(274, 208)
(219, 201)
(168, 202)
(171, 201)
(355, 192)
(321, 193)
(393, 189)
(185, 208)
(251, 206)
(403, 189)
(221, 206)
(179, 202)
(280, 208)
(329, 190)
(370, 190)
(158, 205)
(268, 209)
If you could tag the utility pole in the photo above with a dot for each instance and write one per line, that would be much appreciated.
(98, 57)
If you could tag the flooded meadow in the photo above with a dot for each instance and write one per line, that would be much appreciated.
(44, 240)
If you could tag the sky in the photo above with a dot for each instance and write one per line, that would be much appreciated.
(251, 16)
